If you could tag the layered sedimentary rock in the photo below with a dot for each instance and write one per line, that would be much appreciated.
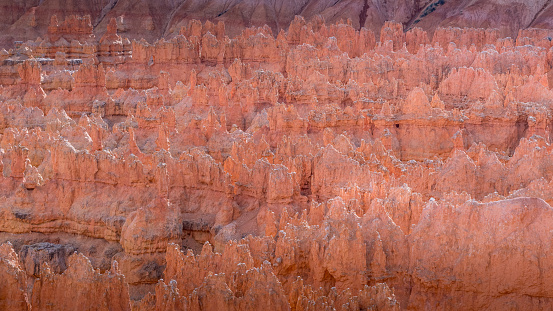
(325, 167)
(153, 20)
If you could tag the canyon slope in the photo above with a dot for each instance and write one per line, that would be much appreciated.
(325, 167)
(152, 20)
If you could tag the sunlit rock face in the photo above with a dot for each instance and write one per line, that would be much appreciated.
(151, 161)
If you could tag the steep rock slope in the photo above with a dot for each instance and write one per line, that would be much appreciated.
(153, 20)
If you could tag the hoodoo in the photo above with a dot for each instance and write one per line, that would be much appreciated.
(241, 155)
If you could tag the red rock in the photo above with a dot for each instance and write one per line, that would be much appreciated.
(90, 289)
(309, 168)
(13, 295)
(477, 256)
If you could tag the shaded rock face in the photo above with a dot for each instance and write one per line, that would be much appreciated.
(163, 19)
(328, 167)
(32, 257)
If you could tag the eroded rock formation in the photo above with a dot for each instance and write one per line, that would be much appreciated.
(328, 167)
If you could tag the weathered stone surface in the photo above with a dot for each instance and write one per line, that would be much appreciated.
(315, 166)
(13, 294)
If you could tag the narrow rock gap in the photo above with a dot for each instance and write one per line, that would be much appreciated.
(105, 12)
(170, 18)
(363, 14)
(546, 4)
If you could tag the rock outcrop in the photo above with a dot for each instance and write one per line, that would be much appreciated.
(323, 167)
